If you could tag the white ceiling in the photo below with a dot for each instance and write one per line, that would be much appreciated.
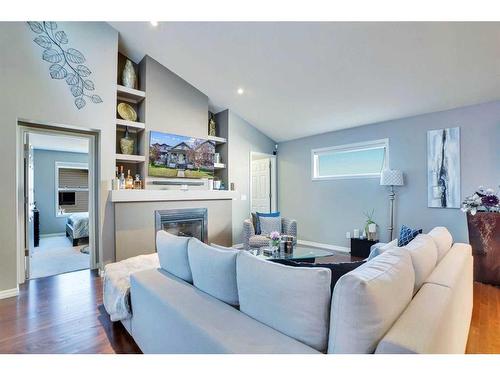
(308, 78)
(59, 143)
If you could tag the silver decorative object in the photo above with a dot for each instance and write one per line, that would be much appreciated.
(129, 78)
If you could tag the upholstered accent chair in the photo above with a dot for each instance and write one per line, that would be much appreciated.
(253, 240)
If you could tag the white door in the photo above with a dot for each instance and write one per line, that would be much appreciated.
(261, 185)
(29, 203)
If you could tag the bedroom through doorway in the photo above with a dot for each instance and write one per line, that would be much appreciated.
(59, 197)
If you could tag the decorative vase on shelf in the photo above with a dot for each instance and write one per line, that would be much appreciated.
(129, 78)
(212, 126)
(127, 144)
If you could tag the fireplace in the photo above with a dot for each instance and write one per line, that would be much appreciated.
(188, 222)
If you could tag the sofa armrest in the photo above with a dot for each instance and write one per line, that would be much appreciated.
(248, 232)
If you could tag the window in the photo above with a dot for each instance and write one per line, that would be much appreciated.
(72, 188)
(356, 160)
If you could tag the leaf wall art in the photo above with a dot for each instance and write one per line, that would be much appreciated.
(66, 63)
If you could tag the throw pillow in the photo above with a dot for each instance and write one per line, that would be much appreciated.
(173, 256)
(214, 271)
(262, 214)
(406, 234)
(270, 224)
(294, 301)
(443, 239)
(338, 269)
(367, 301)
(380, 248)
(424, 255)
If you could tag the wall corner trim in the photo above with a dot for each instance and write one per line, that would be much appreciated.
(324, 246)
(7, 293)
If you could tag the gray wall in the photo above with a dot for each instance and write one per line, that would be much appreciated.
(172, 104)
(29, 93)
(326, 210)
(44, 184)
(243, 138)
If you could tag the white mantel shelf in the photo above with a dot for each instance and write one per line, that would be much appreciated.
(118, 196)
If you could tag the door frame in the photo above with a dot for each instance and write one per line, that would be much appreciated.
(273, 190)
(32, 127)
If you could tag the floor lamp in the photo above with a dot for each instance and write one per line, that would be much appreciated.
(391, 177)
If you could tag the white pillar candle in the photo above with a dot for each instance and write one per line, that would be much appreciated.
(356, 233)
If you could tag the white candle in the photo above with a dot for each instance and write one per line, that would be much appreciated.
(356, 233)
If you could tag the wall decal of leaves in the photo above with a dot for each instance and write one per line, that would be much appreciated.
(66, 63)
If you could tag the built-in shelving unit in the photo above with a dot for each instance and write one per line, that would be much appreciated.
(217, 140)
(132, 125)
(130, 95)
(130, 158)
(135, 97)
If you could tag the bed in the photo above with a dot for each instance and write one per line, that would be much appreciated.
(77, 227)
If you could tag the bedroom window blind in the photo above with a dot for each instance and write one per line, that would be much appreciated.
(72, 183)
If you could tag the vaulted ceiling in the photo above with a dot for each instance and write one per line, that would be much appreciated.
(302, 78)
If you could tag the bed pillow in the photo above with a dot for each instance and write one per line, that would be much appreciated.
(214, 270)
(173, 255)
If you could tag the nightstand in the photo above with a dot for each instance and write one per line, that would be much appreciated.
(361, 248)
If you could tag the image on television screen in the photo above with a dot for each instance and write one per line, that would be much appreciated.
(178, 156)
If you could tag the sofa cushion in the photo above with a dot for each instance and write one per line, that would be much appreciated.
(294, 301)
(338, 269)
(380, 248)
(422, 328)
(172, 252)
(258, 241)
(214, 270)
(443, 240)
(367, 301)
(423, 253)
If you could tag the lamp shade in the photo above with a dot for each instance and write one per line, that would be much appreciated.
(391, 177)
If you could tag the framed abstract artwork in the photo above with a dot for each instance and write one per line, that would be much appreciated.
(443, 168)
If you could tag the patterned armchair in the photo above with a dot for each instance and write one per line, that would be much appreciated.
(252, 240)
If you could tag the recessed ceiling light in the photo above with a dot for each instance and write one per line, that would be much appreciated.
(240, 91)
(154, 23)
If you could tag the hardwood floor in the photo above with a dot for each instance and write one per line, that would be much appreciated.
(61, 314)
(484, 334)
(64, 314)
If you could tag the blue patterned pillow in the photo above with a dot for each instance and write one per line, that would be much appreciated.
(262, 214)
(406, 235)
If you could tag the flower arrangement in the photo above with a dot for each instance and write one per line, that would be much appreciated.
(275, 238)
(483, 200)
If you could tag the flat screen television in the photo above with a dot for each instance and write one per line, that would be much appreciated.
(178, 156)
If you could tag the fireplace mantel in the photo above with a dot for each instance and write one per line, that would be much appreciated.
(117, 196)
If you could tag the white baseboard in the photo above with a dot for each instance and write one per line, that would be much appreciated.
(52, 235)
(238, 246)
(8, 293)
(324, 246)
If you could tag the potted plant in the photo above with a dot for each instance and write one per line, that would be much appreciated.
(483, 222)
(370, 226)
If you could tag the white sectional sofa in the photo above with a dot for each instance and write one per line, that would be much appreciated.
(416, 299)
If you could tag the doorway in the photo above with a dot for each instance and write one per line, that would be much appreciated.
(262, 182)
(59, 201)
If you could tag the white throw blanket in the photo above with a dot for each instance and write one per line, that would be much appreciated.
(116, 290)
